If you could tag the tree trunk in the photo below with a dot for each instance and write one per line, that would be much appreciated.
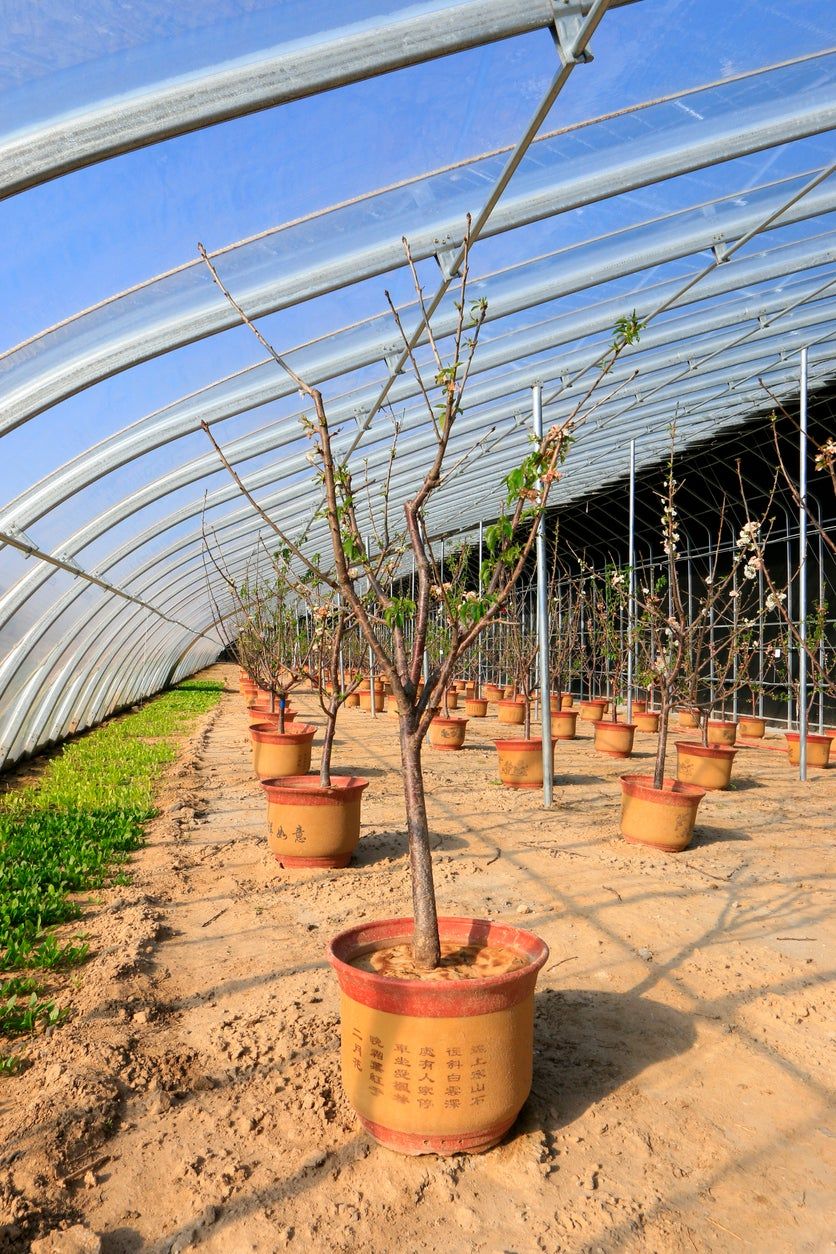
(426, 948)
(664, 715)
(327, 746)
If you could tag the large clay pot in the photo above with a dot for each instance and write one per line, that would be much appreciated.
(279, 754)
(311, 826)
(687, 718)
(592, 711)
(475, 707)
(751, 727)
(366, 699)
(614, 739)
(646, 721)
(564, 724)
(492, 692)
(721, 732)
(511, 712)
(392, 704)
(447, 733)
(566, 700)
(257, 714)
(437, 1066)
(639, 705)
(352, 701)
(460, 685)
(818, 749)
(707, 766)
(663, 818)
(521, 762)
(452, 699)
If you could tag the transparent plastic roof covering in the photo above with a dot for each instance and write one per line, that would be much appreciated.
(686, 172)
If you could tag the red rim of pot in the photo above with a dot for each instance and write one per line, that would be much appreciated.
(812, 737)
(266, 734)
(308, 790)
(533, 742)
(603, 722)
(443, 998)
(705, 751)
(672, 793)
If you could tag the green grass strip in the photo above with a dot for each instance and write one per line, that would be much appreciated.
(65, 833)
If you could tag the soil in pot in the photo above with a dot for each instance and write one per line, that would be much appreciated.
(818, 749)
(564, 724)
(614, 739)
(278, 754)
(721, 732)
(312, 826)
(646, 721)
(447, 733)
(521, 762)
(475, 707)
(511, 712)
(752, 727)
(663, 818)
(437, 1062)
(707, 766)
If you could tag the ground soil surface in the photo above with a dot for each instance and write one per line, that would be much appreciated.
(682, 1055)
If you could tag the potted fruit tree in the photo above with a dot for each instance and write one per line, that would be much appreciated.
(436, 1013)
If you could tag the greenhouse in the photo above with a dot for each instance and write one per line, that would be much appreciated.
(417, 630)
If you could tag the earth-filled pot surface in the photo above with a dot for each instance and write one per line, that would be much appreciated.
(437, 1065)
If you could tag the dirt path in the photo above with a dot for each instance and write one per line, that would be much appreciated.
(680, 1091)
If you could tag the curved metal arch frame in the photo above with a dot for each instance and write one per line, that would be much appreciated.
(774, 124)
(620, 259)
(116, 610)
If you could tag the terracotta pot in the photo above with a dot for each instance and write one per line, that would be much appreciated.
(447, 733)
(475, 707)
(460, 685)
(663, 818)
(564, 724)
(687, 718)
(554, 702)
(256, 714)
(366, 700)
(721, 732)
(508, 692)
(639, 705)
(470, 689)
(278, 754)
(521, 762)
(752, 727)
(437, 1066)
(352, 701)
(818, 749)
(512, 712)
(311, 826)
(566, 701)
(391, 704)
(492, 692)
(647, 721)
(707, 766)
(592, 711)
(452, 699)
(614, 739)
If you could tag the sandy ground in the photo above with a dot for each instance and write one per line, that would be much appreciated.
(680, 1096)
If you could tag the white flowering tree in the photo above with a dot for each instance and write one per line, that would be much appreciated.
(691, 643)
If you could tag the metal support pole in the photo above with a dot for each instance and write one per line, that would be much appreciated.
(735, 620)
(789, 633)
(631, 596)
(479, 655)
(824, 632)
(373, 698)
(802, 572)
(761, 680)
(543, 621)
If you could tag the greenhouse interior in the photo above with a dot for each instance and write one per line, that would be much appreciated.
(417, 626)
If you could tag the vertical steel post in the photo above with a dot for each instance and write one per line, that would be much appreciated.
(373, 699)
(543, 620)
(789, 648)
(824, 624)
(761, 679)
(479, 654)
(631, 590)
(802, 572)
